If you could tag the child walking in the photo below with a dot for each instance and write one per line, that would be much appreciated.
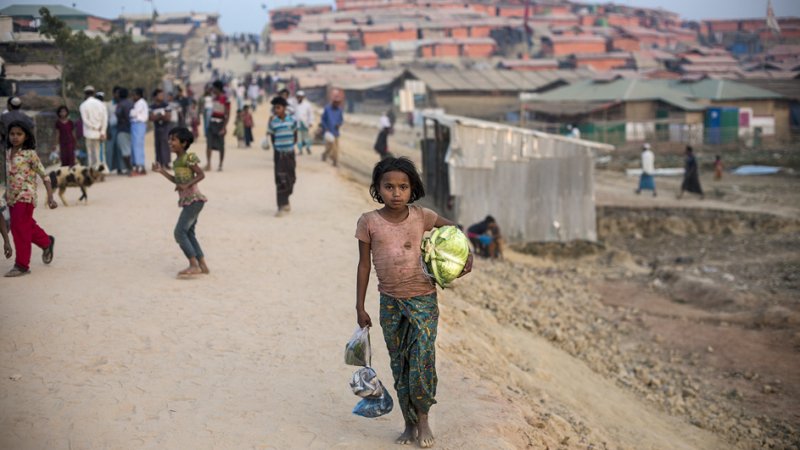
(194, 118)
(238, 128)
(187, 174)
(247, 119)
(282, 131)
(718, 168)
(66, 137)
(409, 310)
(22, 166)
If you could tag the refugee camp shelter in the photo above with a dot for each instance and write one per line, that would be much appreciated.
(621, 110)
(27, 17)
(490, 93)
(538, 186)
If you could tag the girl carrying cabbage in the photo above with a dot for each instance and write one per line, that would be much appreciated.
(409, 310)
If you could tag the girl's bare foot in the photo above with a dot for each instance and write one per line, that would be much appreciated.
(409, 436)
(189, 272)
(207, 167)
(426, 439)
(203, 267)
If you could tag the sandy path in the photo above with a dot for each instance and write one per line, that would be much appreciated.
(115, 352)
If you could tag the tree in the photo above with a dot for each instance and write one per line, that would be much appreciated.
(56, 29)
(103, 63)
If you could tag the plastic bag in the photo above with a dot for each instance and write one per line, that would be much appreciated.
(357, 352)
(374, 407)
(265, 143)
(329, 137)
(365, 383)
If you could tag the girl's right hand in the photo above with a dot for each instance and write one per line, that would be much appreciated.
(156, 167)
(364, 320)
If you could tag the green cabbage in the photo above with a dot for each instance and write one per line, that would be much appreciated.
(445, 253)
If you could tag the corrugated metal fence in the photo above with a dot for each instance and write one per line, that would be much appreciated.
(538, 186)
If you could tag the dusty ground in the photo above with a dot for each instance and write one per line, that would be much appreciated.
(713, 339)
(105, 348)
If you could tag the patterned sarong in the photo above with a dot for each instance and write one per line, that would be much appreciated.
(409, 328)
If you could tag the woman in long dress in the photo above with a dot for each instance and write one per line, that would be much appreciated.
(65, 137)
(691, 179)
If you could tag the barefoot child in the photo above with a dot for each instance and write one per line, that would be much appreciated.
(22, 165)
(409, 309)
(187, 175)
(282, 131)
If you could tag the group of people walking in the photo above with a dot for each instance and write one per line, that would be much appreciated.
(691, 175)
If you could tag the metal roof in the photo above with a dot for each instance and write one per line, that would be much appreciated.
(492, 80)
(33, 11)
(787, 88)
(171, 28)
(717, 89)
(621, 89)
(679, 93)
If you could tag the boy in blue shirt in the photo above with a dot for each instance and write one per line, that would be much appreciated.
(283, 133)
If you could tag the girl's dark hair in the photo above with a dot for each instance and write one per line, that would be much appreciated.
(183, 135)
(58, 111)
(30, 140)
(401, 164)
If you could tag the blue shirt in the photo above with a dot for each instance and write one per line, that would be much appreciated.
(332, 117)
(283, 130)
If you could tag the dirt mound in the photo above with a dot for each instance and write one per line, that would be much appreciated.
(559, 250)
(701, 292)
(653, 222)
(556, 303)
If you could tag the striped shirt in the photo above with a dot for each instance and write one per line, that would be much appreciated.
(283, 130)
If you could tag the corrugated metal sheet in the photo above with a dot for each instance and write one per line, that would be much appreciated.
(539, 186)
(496, 80)
(538, 200)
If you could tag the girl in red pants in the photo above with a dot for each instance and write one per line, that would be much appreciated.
(22, 165)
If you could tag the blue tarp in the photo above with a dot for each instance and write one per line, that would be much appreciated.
(756, 170)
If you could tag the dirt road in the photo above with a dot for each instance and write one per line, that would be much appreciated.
(105, 348)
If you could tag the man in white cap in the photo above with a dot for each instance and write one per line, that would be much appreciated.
(94, 116)
(12, 114)
(304, 115)
(646, 181)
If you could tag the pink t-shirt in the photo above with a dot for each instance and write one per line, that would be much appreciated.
(396, 252)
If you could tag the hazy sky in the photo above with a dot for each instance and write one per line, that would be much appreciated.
(248, 16)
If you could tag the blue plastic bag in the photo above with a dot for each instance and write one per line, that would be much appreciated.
(372, 408)
(485, 239)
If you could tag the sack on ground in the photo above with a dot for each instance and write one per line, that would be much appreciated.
(357, 352)
(365, 383)
(265, 143)
(374, 407)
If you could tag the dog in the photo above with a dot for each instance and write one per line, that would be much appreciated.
(76, 176)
